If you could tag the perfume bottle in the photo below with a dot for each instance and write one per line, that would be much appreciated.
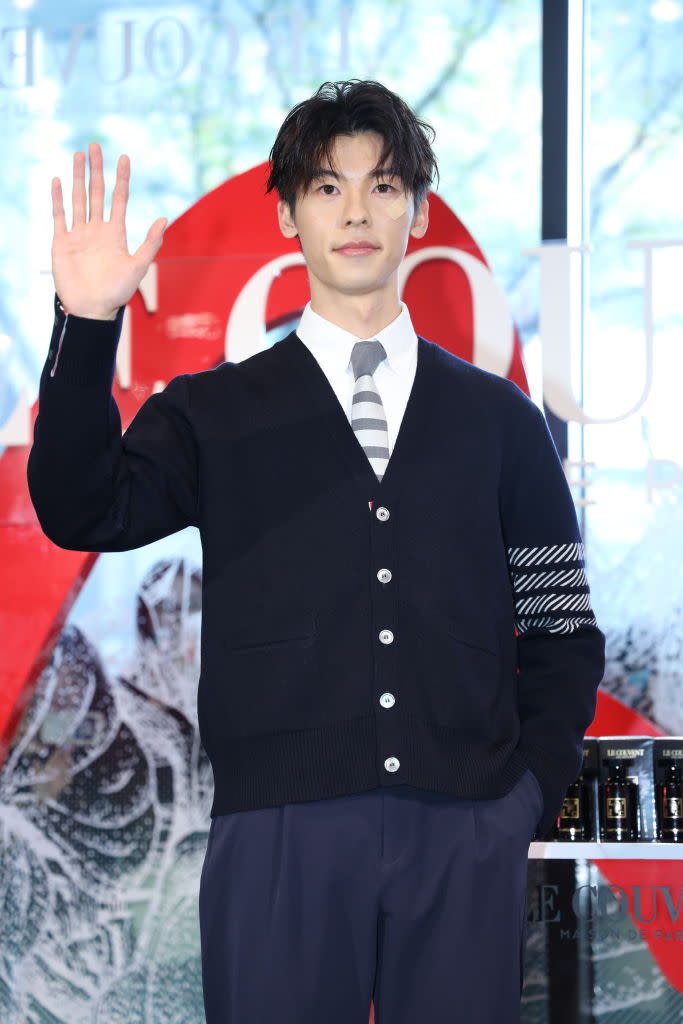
(620, 806)
(671, 805)
(571, 823)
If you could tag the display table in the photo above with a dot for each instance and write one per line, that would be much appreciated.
(605, 933)
(605, 851)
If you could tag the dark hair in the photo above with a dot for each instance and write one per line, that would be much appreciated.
(307, 134)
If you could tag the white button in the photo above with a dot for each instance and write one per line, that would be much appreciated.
(392, 764)
(387, 700)
(386, 636)
(384, 575)
(382, 513)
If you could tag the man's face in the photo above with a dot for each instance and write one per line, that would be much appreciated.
(349, 203)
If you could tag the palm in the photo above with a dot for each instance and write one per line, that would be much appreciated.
(93, 271)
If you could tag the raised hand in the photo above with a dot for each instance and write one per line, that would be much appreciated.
(93, 271)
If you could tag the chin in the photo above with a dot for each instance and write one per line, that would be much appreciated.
(358, 287)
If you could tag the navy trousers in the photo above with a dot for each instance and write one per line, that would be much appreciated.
(411, 898)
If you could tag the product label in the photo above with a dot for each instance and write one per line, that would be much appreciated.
(632, 752)
(673, 807)
(616, 807)
(571, 807)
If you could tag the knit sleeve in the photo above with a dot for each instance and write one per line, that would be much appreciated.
(560, 647)
(94, 489)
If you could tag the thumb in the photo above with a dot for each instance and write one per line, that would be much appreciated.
(152, 243)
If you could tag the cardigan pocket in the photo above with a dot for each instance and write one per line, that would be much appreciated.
(428, 619)
(268, 671)
(292, 631)
(454, 675)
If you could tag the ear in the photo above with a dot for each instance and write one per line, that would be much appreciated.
(286, 220)
(420, 220)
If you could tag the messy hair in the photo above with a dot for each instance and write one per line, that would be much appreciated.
(307, 134)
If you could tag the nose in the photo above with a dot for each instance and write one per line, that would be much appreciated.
(355, 209)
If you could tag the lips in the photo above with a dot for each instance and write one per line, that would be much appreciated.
(357, 247)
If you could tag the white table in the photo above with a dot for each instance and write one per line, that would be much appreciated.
(605, 851)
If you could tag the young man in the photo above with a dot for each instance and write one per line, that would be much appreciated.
(399, 657)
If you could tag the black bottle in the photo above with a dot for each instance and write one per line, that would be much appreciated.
(620, 806)
(571, 823)
(671, 805)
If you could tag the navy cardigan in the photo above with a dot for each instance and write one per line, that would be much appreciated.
(434, 629)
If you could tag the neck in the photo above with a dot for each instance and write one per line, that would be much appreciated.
(361, 315)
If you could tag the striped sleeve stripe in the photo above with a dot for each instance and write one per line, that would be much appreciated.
(568, 602)
(550, 589)
(550, 625)
(543, 580)
(552, 553)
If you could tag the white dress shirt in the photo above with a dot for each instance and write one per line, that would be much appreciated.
(331, 345)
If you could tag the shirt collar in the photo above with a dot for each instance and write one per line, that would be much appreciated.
(332, 345)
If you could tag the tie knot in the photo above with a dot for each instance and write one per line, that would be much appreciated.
(366, 357)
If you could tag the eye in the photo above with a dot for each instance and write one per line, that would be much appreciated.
(384, 185)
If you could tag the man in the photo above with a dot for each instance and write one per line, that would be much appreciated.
(399, 657)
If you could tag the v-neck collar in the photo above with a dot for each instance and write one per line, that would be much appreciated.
(314, 387)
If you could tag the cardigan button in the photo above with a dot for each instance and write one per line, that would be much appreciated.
(386, 636)
(384, 575)
(392, 764)
(387, 700)
(382, 513)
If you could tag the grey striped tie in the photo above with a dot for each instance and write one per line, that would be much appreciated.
(367, 412)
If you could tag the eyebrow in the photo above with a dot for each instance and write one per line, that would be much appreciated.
(383, 172)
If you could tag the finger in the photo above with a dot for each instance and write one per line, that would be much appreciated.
(78, 190)
(96, 187)
(152, 243)
(58, 207)
(119, 199)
